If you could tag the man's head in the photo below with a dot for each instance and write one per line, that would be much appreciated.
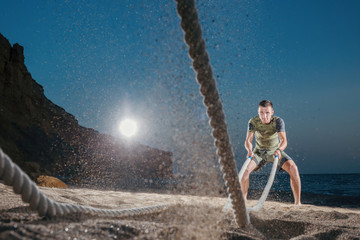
(265, 111)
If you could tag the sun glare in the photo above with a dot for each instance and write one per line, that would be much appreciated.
(128, 127)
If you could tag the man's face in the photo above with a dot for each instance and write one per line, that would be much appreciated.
(265, 114)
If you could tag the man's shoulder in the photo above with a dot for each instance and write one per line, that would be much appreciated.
(280, 124)
(255, 119)
(254, 124)
(278, 119)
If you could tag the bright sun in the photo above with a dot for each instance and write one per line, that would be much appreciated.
(128, 127)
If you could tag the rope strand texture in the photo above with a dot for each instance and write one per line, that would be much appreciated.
(201, 63)
(30, 193)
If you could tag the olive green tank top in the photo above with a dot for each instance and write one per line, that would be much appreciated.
(266, 135)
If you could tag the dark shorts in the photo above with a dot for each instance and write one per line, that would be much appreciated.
(262, 157)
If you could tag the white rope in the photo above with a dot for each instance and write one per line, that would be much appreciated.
(266, 190)
(30, 193)
(265, 193)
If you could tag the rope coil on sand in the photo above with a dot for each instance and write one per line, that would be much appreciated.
(201, 63)
(30, 193)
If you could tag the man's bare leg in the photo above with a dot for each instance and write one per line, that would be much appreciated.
(295, 182)
(245, 181)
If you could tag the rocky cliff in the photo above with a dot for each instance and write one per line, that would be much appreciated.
(42, 138)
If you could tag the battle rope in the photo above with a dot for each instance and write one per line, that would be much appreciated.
(201, 63)
(267, 188)
(30, 193)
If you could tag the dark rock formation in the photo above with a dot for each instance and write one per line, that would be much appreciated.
(42, 138)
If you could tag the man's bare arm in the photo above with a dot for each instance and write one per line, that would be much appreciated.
(283, 143)
(283, 140)
(248, 144)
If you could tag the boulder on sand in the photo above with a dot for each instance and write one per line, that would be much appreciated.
(52, 182)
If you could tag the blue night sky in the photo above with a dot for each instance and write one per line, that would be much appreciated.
(105, 60)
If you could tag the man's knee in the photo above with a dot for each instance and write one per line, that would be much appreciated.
(291, 167)
(246, 174)
(248, 171)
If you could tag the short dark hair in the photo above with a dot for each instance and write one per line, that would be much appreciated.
(266, 103)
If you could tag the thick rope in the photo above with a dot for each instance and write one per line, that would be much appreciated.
(267, 187)
(30, 193)
(266, 190)
(228, 204)
(201, 63)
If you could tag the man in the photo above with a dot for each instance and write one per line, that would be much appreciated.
(270, 138)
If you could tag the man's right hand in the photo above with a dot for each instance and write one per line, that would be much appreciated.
(250, 154)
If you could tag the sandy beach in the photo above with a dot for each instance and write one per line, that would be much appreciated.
(187, 217)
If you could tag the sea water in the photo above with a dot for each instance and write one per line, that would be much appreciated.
(325, 184)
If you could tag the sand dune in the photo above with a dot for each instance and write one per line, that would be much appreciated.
(188, 217)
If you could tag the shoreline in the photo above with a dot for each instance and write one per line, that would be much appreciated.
(316, 199)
